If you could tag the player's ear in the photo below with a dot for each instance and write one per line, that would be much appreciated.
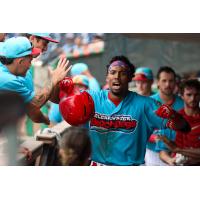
(31, 38)
(19, 60)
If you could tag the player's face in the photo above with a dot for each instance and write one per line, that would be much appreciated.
(166, 83)
(118, 79)
(2, 37)
(143, 87)
(24, 64)
(191, 97)
(40, 43)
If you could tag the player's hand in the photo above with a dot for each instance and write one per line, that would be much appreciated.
(172, 161)
(165, 111)
(61, 71)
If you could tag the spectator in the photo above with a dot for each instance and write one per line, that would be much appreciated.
(75, 147)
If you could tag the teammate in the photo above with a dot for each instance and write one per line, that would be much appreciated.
(143, 80)
(82, 69)
(166, 83)
(16, 56)
(124, 120)
(41, 41)
(189, 144)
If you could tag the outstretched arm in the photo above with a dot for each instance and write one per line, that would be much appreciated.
(41, 97)
(194, 153)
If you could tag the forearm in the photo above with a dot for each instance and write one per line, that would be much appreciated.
(54, 97)
(194, 153)
(36, 115)
(43, 95)
(175, 120)
(180, 123)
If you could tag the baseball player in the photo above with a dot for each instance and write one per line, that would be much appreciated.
(166, 84)
(41, 41)
(124, 120)
(82, 69)
(16, 56)
(143, 80)
(189, 144)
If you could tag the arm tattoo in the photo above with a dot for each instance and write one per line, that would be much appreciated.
(42, 96)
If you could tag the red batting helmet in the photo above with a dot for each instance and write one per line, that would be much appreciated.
(77, 109)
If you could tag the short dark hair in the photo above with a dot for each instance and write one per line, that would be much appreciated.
(125, 60)
(166, 69)
(192, 83)
(27, 35)
(77, 146)
(6, 61)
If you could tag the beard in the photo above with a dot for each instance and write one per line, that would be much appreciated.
(167, 92)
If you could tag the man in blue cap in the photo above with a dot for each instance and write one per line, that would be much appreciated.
(82, 69)
(40, 40)
(16, 55)
(143, 80)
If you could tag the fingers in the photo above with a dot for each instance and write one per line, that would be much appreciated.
(69, 68)
(59, 62)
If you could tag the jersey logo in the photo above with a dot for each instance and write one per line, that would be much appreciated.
(118, 123)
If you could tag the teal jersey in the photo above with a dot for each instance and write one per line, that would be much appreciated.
(119, 133)
(157, 146)
(10, 82)
(54, 113)
(28, 79)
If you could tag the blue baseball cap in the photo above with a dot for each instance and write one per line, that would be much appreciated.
(143, 74)
(81, 79)
(17, 47)
(78, 68)
(45, 36)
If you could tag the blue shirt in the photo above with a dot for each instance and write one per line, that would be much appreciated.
(10, 82)
(94, 85)
(28, 79)
(157, 146)
(119, 133)
(54, 113)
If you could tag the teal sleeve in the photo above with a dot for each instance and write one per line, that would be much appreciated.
(94, 85)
